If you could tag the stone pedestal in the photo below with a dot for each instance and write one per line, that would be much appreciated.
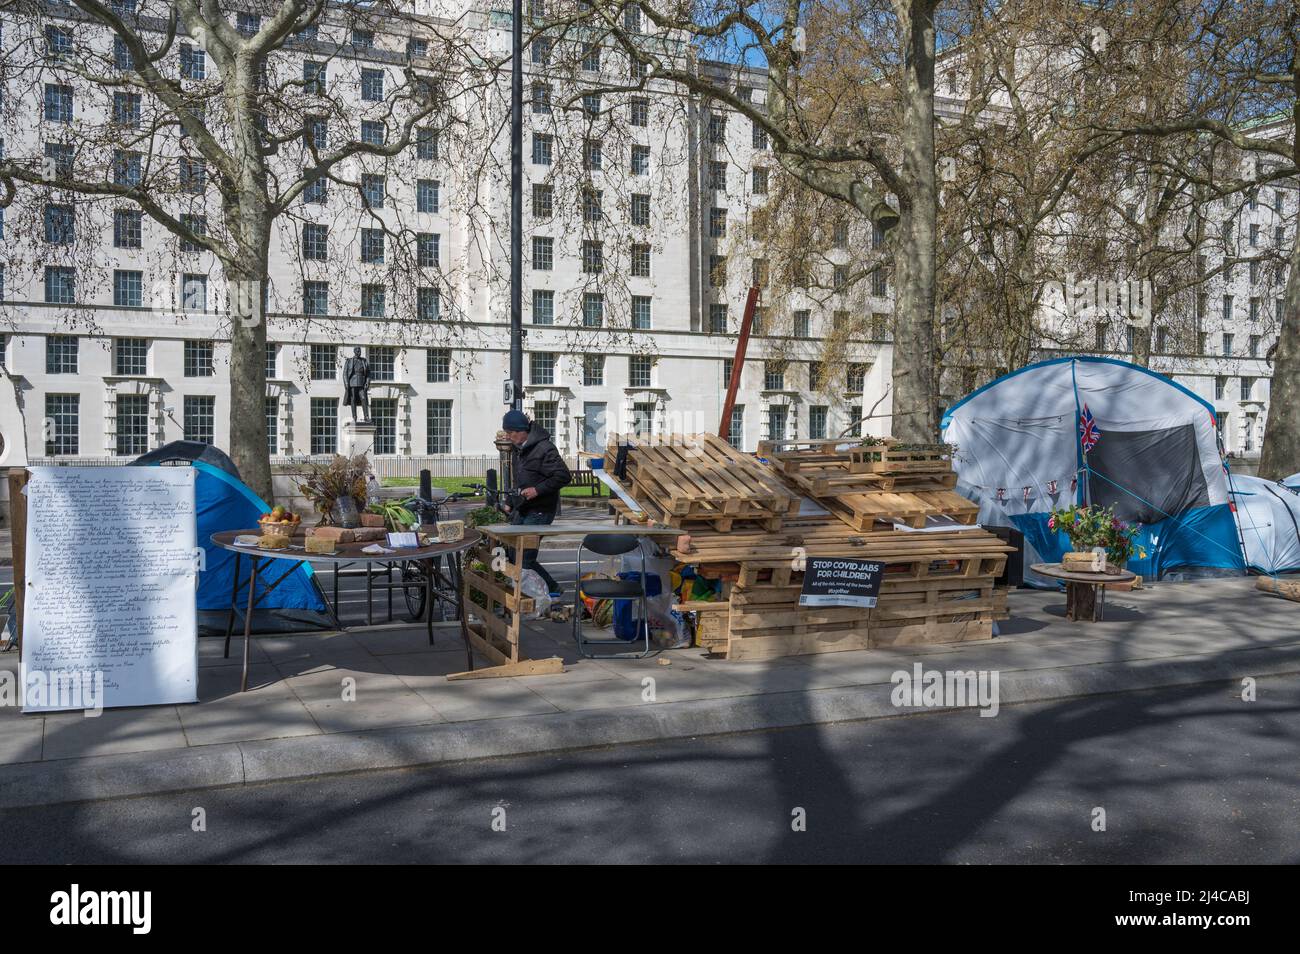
(358, 438)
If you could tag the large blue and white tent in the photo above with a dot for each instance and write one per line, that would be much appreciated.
(1101, 431)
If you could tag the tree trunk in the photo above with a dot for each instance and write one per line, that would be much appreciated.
(914, 392)
(1281, 453)
(248, 446)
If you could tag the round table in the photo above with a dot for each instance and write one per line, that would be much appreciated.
(1081, 589)
(344, 553)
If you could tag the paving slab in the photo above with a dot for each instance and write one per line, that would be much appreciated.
(295, 722)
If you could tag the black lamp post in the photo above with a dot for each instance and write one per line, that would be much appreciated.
(515, 389)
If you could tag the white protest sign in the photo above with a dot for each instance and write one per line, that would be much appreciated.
(109, 610)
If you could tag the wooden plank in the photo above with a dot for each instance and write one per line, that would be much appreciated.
(18, 479)
(551, 666)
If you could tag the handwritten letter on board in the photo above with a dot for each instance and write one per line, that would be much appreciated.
(111, 565)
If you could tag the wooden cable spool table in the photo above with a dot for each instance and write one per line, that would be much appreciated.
(1085, 592)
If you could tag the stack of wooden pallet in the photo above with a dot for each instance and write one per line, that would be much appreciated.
(701, 481)
(937, 588)
(867, 485)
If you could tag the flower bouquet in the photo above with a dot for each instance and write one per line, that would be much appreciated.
(1094, 528)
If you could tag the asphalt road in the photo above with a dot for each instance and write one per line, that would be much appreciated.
(1192, 775)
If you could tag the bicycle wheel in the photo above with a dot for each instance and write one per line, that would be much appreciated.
(413, 589)
(446, 583)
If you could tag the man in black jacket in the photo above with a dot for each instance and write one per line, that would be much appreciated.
(540, 472)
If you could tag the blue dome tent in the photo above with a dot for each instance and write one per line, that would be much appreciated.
(1101, 431)
(224, 502)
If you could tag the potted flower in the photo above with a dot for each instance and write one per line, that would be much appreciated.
(337, 490)
(1097, 537)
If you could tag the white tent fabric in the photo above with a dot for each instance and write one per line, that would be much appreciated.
(1268, 517)
(1292, 482)
(1018, 443)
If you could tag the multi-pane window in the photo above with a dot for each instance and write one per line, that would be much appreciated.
(373, 301)
(718, 175)
(855, 420)
(428, 303)
(545, 413)
(641, 312)
(323, 362)
(324, 425)
(248, 23)
(802, 324)
(1220, 387)
(58, 42)
(591, 57)
(759, 181)
(372, 246)
(593, 156)
(774, 375)
(643, 417)
(759, 272)
(718, 318)
(817, 418)
(128, 288)
(427, 249)
(193, 176)
(383, 413)
(373, 132)
(58, 103)
(593, 309)
(128, 228)
(717, 223)
(542, 148)
(131, 356)
(591, 104)
(316, 191)
(272, 360)
(316, 131)
(759, 137)
(591, 205)
(383, 363)
(60, 285)
(63, 427)
(426, 144)
(197, 361)
(541, 367)
(426, 195)
(777, 415)
(856, 378)
(272, 424)
(59, 157)
(541, 100)
(717, 130)
(640, 260)
(728, 366)
(593, 256)
(315, 77)
(543, 253)
(717, 270)
(372, 85)
(416, 48)
(638, 371)
(61, 354)
(59, 227)
(736, 427)
(640, 111)
(200, 418)
(362, 38)
(816, 375)
(194, 292)
(127, 167)
(374, 189)
(132, 420)
(640, 209)
(194, 62)
(1247, 387)
(593, 370)
(540, 51)
(315, 242)
(438, 426)
(640, 160)
(879, 283)
(543, 200)
(1253, 345)
(437, 365)
(543, 306)
(126, 109)
(315, 298)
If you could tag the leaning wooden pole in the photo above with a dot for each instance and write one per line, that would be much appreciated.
(742, 343)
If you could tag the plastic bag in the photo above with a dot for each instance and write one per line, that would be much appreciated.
(531, 585)
(667, 628)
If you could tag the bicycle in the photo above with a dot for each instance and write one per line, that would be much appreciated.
(415, 573)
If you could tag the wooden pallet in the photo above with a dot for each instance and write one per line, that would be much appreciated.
(702, 481)
(863, 512)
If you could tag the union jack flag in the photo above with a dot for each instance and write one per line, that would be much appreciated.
(1089, 432)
